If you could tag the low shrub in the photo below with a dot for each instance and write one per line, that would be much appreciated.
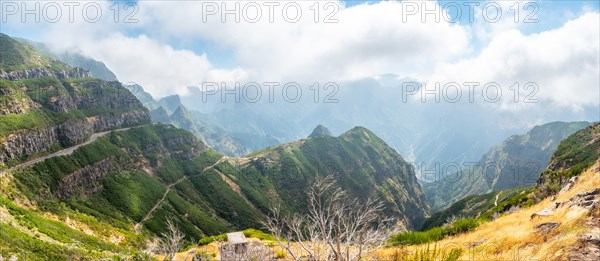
(280, 254)
(434, 234)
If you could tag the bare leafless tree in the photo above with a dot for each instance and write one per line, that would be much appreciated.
(172, 241)
(152, 246)
(336, 227)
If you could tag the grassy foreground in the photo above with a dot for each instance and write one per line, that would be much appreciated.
(513, 236)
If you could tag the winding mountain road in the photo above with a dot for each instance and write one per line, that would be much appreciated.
(67, 151)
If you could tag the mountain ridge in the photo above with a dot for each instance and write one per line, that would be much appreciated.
(517, 161)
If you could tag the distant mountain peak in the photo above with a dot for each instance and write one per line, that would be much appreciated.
(361, 134)
(320, 131)
(170, 103)
(181, 110)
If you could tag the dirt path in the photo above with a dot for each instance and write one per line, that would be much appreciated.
(67, 151)
(496, 201)
(151, 211)
(235, 188)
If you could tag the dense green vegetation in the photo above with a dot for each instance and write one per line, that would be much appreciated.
(575, 154)
(32, 120)
(24, 246)
(128, 193)
(362, 163)
(36, 247)
(434, 234)
(132, 193)
(18, 56)
(474, 206)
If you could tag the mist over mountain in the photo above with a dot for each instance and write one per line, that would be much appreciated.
(75, 59)
(170, 110)
(431, 134)
(516, 162)
(320, 131)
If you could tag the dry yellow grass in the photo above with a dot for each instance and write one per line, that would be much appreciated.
(513, 236)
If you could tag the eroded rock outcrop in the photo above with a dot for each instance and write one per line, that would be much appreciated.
(43, 72)
(17, 106)
(26, 143)
(86, 180)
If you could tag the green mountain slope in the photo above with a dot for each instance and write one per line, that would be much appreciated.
(320, 131)
(518, 161)
(18, 56)
(472, 206)
(147, 174)
(573, 155)
(128, 182)
(362, 163)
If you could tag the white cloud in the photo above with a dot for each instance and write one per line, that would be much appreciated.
(563, 62)
(161, 69)
(367, 40)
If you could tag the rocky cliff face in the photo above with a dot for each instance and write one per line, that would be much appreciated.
(26, 143)
(121, 120)
(87, 180)
(16, 106)
(43, 72)
(97, 106)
